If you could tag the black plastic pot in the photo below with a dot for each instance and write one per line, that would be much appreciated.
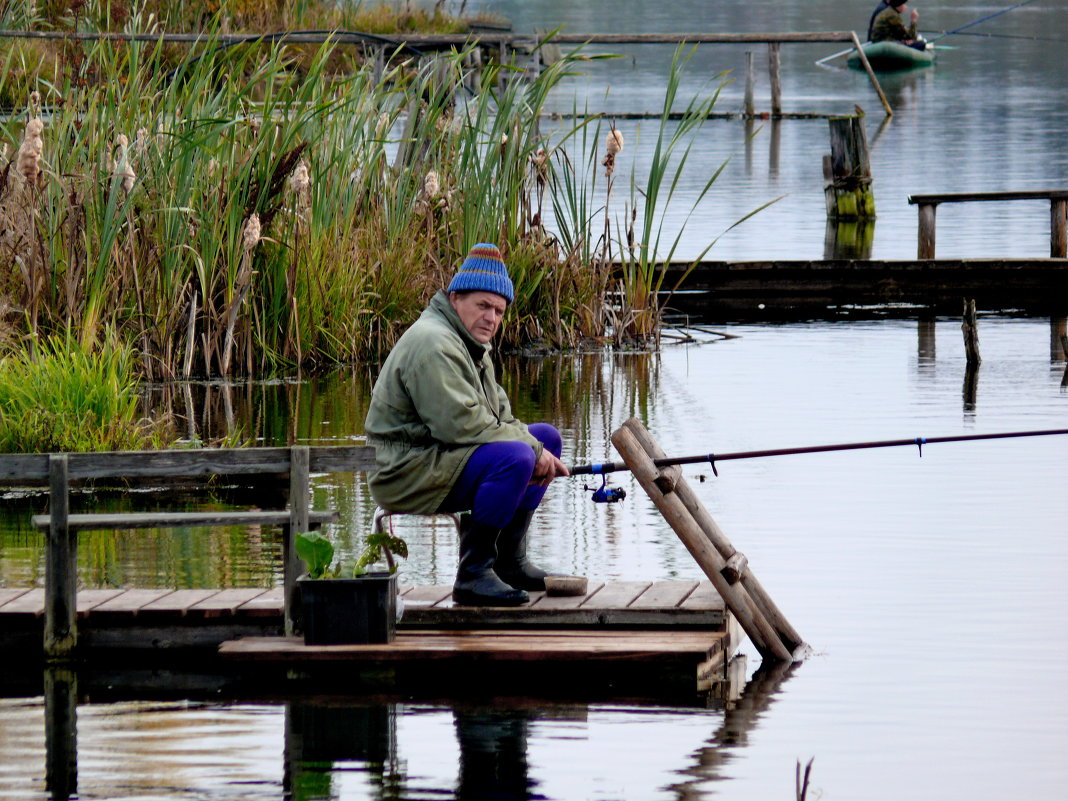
(349, 611)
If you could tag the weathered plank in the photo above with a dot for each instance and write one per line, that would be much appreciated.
(28, 603)
(266, 604)
(561, 602)
(617, 595)
(10, 594)
(539, 646)
(664, 594)
(177, 602)
(428, 595)
(91, 599)
(225, 602)
(127, 602)
(704, 597)
(255, 517)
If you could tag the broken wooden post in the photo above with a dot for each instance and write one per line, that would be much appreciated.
(971, 334)
(776, 80)
(750, 80)
(925, 245)
(848, 190)
(762, 621)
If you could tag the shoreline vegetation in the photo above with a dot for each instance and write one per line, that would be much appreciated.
(248, 211)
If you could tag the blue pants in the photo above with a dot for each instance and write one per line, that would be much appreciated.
(495, 482)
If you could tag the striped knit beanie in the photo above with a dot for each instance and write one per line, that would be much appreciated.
(483, 270)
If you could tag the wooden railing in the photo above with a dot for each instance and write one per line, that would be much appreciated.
(1058, 205)
(60, 469)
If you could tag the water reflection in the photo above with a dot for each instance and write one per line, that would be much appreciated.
(346, 747)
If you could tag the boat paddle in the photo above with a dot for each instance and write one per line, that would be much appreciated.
(610, 495)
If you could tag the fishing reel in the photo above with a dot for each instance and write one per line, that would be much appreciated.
(606, 494)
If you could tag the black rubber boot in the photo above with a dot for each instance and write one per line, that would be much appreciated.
(476, 584)
(512, 565)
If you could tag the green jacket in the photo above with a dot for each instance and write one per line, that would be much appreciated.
(888, 26)
(435, 401)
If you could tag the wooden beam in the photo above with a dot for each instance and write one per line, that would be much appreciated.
(61, 568)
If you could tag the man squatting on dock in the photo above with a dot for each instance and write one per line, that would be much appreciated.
(446, 440)
(886, 24)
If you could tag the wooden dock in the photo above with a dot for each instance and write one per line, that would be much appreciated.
(664, 638)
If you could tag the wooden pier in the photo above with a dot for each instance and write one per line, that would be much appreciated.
(664, 638)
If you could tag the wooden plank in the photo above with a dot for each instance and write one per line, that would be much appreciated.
(246, 517)
(649, 647)
(90, 599)
(225, 602)
(192, 462)
(561, 602)
(266, 604)
(128, 602)
(177, 603)
(617, 594)
(11, 593)
(704, 597)
(28, 603)
(428, 595)
(970, 197)
(664, 594)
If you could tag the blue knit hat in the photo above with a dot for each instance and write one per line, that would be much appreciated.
(483, 270)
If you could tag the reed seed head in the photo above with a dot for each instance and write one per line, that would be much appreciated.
(431, 187)
(250, 237)
(300, 180)
(614, 143)
(28, 161)
(122, 169)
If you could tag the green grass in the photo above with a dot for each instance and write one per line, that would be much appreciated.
(63, 397)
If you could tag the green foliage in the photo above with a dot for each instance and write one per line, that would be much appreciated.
(63, 396)
(317, 553)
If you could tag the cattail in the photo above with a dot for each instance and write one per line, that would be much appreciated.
(250, 237)
(141, 142)
(122, 169)
(431, 187)
(613, 144)
(28, 161)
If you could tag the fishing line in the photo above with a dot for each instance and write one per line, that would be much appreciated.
(983, 19)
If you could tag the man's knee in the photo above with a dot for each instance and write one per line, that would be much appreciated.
(548, 435)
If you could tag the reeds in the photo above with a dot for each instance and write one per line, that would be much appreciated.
(367, 193)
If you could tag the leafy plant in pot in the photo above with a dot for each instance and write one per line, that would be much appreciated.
(349, 605)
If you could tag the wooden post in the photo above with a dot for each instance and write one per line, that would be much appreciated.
(750, 80)
(763, 602)
(61, 567)
(971, 334)
(1058, 328)
(1058, 229)
(61, 732)
(925, 248)
(299, 505)
(776, 80)
(850, 191)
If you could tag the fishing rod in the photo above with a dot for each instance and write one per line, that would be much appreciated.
(609, 494)
(982, 19)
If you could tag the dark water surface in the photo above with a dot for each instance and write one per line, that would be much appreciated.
(931, 589)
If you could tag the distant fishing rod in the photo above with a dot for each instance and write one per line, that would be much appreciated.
(608, 495)
(981, 20)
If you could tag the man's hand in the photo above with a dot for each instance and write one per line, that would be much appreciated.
(913, 16)
(547, 468)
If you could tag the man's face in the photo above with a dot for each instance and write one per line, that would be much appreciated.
(480, 312)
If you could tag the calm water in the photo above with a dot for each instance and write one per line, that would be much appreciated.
(931, 588)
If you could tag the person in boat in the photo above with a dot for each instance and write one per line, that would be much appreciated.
(888, 25)
(446, 440)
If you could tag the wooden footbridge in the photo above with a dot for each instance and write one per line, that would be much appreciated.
(675, 636)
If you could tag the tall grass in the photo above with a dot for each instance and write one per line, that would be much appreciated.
(62, 397)
(367, 191)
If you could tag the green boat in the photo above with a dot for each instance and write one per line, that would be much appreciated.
(886, 56)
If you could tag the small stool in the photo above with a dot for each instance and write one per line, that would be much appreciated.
(378, 524)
